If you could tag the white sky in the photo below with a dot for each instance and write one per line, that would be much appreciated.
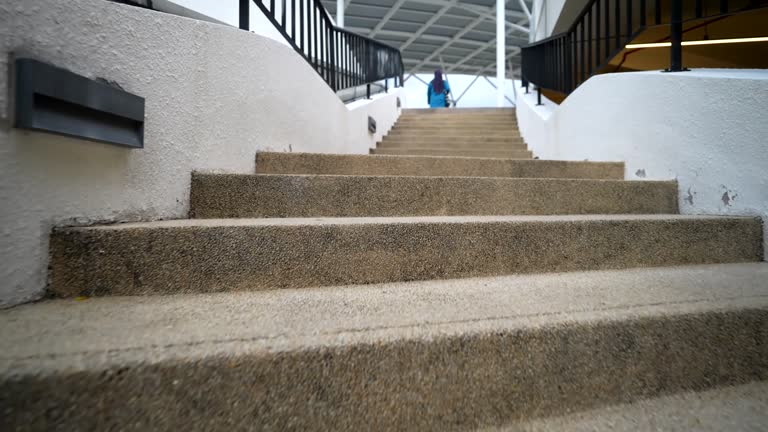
(482, 94)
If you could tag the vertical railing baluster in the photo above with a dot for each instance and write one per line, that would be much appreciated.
(630, 23)
(332, 40)
(658, 12)
(293, 20)
(272, 7)
(597, 35)
(607, 30)
(698, 9)
(323, 49)
(582, 57)
(316, 20)
(283, 13)
(642, 13)
(618, 25)
(358, 64)
(562, 82)
(344, 47)
(245, 14)
(572, 60)
(302, 43)
(589, 43)
(724, 6)
(327, 50)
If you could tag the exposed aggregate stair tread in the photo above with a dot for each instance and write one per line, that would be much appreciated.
(329, 164)
(739, 408)
(502, 154)
(275, 195)
(407, 356)
(186, 256)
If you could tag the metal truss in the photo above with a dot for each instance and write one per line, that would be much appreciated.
(456, 35)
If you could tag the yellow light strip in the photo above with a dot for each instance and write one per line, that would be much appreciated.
(699, 42)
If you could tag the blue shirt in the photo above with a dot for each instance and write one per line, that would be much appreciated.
(437, 100)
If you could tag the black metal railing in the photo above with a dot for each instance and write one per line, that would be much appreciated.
(342, 58)
(604, 27)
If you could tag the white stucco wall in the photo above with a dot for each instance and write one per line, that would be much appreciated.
(383, 108)
(215, 96)
(706, 128)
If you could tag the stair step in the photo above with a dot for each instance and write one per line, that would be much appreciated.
(505, 122)
(419, 144)
(316, 163)
(438, 355)
(510, 154)
(740, 408)
(453, 121)
(464, 112)
(186, 256)
(462, 132)
(455, 135)
(269, 196)
(444, 139)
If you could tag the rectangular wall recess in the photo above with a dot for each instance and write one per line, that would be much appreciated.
(55, 100)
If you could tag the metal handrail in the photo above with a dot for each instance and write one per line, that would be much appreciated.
(604, 27)
(344, 59)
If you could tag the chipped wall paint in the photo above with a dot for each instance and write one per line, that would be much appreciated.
(215, 96)
(706, 128)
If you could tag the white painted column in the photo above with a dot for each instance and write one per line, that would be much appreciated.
(534, 21)
(340, 13)
(501, 50)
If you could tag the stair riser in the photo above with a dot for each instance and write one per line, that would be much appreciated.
(210, 258)
(464, 112)
(487, 130)
(460, 111)
(455, 153)
(306, 163)
(443, 384)
(243, 196)
(450, 123)
(494, 147)
(475, 140)
(463, 136)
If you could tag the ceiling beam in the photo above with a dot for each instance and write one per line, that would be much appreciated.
(489, 13)
(525, 9)
(456, 37)
(431, 21)
(393, 10)
(482, 48)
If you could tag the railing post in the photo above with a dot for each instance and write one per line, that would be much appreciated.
(676, 36)
(245, 14)
(538, 96)
(368, 91)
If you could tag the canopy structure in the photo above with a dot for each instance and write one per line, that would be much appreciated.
(459, 37)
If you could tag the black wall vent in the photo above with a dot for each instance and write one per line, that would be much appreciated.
(55, 100)
(371, 125)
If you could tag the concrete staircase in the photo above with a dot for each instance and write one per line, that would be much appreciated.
(395, 292)
(468, 133)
